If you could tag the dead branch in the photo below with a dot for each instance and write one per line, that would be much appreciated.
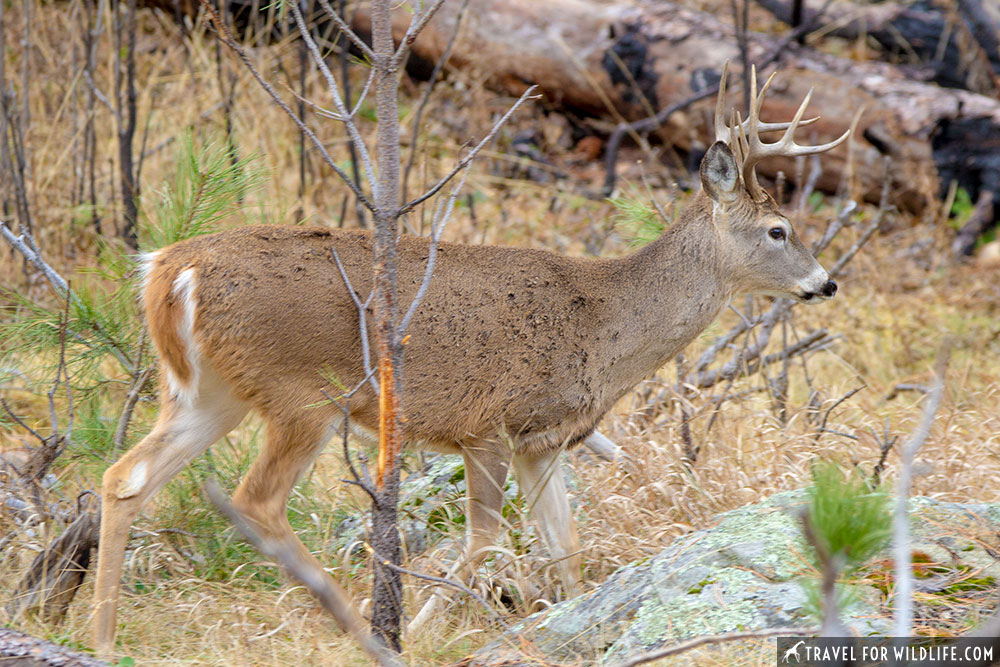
(222, 31)
(24, 243)
(345, 29)
(885, 444)
(425, 98)
(55, 575)
(333, 598)
(826, 415)
(683, 647)
(465, 161)
(457, 585)
(362, 321)
(981, 219)
(903, 595)
(345, 116)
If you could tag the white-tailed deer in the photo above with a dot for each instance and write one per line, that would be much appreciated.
(514, 353)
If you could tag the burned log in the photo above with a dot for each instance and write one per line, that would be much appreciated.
(589, 55)
(949, 50)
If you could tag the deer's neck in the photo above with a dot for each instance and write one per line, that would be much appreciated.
(668, 292)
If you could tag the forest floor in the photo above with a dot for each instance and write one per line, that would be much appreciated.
(196, 595)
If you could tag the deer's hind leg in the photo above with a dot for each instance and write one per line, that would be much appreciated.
(186, 427)
(262, 497)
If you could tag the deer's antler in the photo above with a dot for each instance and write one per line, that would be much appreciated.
(743, 136)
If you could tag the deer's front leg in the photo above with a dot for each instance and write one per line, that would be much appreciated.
(486, 465)
(540, 478)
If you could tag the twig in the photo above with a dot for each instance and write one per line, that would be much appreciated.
(125, 418)
(438, 222)
(346, 30)
(366, 483)
(333, 598)
(345, 116)
(683, 647)
(883, 208)
(464, 162)
(446, 582)
(903, 595)
(362, 321)
(25, 245)
(885, 444)
(826, 415)
(425, 98)
(416, 25)
(222, 32)
(834, 227)
(815, 171)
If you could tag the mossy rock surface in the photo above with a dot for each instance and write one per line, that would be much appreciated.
(746, 572)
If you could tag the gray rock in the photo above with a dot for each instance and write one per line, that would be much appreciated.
(425, 499)
(744, 573)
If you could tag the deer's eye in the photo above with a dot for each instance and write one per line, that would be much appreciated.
(777, 233)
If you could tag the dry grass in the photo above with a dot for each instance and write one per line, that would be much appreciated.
(184, 606)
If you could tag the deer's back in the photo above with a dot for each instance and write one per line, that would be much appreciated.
(504, 336)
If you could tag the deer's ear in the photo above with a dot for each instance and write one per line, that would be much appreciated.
(719, 174)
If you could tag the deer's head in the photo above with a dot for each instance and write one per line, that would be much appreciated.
(761, 250)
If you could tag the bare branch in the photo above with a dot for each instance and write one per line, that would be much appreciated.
(903, 595)
(19, 421)
(417, 24)
(684, 647)
(446, 582)
(826, 415)
(440, 219)
(362, 321)
(344, 115)
(425, 98)
(24, 243)
(222, 32)
(464, 162)
(834, 227)
(346, 29)
(883, 208)
(125, 418)
(333, 598)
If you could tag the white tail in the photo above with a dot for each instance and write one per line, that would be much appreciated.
(510, 346)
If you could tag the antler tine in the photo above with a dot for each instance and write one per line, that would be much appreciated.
(722, 132)
(757, 150)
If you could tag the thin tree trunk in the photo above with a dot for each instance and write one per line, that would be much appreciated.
(126, 120)
(388, 588)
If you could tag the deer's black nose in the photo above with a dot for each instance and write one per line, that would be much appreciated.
(829, 289)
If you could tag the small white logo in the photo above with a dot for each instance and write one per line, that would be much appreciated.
(793, 651)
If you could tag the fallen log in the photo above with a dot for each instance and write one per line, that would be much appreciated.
(955, 51)
(631, 60)
(19, 649)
